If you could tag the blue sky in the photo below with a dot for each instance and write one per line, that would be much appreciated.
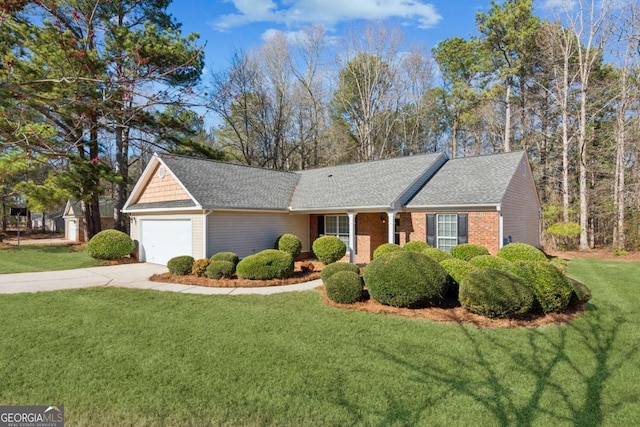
(228, 25)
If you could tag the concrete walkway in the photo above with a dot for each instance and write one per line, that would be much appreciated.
(124, 276)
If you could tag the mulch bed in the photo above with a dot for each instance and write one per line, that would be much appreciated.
(451, 311)
(298, 276)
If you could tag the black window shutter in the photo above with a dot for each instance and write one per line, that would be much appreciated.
(463, 233)
(320, 225)
(431, 230)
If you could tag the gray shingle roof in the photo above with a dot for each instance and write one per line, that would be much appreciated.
(370, 184)
(106, 208)
(479, 180)
(228, 186)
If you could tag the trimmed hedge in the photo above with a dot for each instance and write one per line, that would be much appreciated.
(495, 293)
(490, 261)
(437, 254)
(521, 252)
(344, 287)
(289, 243)
(226, 256)
(329, 249)
(199, 267)
(405, 279)
(180, 265)
(551, 287)
(466, 251)
(266, 265)
(335, 267)
(581, 293)
(110, 244)
(416, 246)
(220, 269)
(385, 248)
(458, 269)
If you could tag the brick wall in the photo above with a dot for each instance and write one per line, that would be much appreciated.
(372, 232)
(484, 228)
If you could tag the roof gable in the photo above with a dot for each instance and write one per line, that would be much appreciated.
(481, 180)
(220, 185)
(377, 184)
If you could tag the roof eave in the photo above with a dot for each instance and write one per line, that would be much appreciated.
(339, 209)
(457, 206)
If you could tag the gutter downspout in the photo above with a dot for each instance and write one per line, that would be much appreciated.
(500, 227)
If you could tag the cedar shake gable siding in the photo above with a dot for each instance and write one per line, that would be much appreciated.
(162, 187)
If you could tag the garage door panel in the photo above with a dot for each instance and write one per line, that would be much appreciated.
(162, 240)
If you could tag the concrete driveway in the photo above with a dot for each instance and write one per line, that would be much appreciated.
(125, 275)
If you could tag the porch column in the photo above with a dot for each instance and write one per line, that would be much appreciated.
(391, 226)
(352, 237)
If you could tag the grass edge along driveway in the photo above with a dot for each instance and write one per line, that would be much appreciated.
(36, 258)
(133, 357)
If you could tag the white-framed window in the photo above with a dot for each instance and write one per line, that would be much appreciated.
(447, 231)
(337, 225)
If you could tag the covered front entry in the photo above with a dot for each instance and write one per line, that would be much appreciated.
(162, 239)
(362, 232)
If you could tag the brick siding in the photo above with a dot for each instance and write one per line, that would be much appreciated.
(484, 229)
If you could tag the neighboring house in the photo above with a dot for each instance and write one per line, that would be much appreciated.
(53, 221)
(73, 219)
(183, 205)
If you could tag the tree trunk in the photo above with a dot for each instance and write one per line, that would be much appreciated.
(121, 169)
(619, 184)
(582, 157)
(507, 116)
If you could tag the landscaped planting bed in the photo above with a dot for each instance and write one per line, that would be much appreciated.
(300, 274)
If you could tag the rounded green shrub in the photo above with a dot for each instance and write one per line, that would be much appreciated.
(226, 256)
(466, 251)
(490, 261)
(180, 265)
(344, 287)
(335, 267)
(110, 244)
(199, 267)
(581, 294)
(329, 249)
(495, 293)
(385, 248)
(521, 252)
(458, 269)
(289, 243)
(220, 269)
(266, 265)
(405, 279)
(437, 254)
(551, 287)
(415, 246)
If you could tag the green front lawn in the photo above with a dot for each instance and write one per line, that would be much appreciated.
(22, 259)
(131, 357)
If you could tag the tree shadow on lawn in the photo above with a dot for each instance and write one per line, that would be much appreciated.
(558, 377)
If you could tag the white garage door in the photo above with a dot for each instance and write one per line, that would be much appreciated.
(71, 231)
(162, 240)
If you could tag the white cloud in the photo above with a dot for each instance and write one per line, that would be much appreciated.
(559, 4)
(326, 12)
